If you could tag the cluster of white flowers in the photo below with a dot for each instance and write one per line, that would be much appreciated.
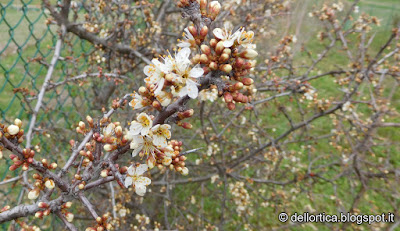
(176, 70)
(146, 139)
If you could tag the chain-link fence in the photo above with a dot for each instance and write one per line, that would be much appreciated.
(26, 48)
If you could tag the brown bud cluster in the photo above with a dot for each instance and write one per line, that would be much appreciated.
(212, 11)
(172, 158)
(13, 131)
(102, 223)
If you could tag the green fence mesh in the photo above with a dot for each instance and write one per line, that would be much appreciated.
(26, 47)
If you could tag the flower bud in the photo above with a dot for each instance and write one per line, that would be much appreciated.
(25, 166)
(53, 165)
(192, 30)
(228, 97)
(5, 208)
(68, 204)
(227, 51)
(196, 59)
(81, 186)
(13, 167)
(187, 125)
(247, 81)
(123, 169)
(231, 106)
(213, 43)
(205, 49)
(214, 8)
(18, 122)
(81, 124)
(185, 171)
(89, 120)
(108, 147)
(204, 31)
(219, 47)
(69, 216)
(203, 7)
(249, 54)
(213, 66)
(39, 214)
(104, 173)
(238, 86)
(43, 205)
(33, 194)
(143, 90)
(203, 59)
(223, 58)
(13, 130)
(227, 68)
(118, 131)
(46, 212)
(49, 184)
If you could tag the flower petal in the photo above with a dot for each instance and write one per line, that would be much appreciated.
(192, 89)
(228, 43)
(131, 170)
(144, 180)
(128, 181)
(140, 189)
(135, 128)
(160, 86)
(219, 33)
(141, 169)
(196, 72)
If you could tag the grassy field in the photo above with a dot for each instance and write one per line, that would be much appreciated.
(19, 44)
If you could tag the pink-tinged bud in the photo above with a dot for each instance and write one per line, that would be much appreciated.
(81, 125)
(227, 68)
(108, 147)
(25, 166)
(49, 184)
(219, 47)
(5, 208)
(231, 106)
(123, 169)
(46, 212)
(187, 125)
(81, 186)
(213, 43)
(213, 66)
(13, 167)
(203, 7)
(53, 165)
(68, 205)
(13, 130)
(238, 85)
(82, 153)
(79, 130)
(78, 177)
(72, 143)
(39, 214)
(247, 81)
(249, 54)
(44, 162)
(214, 8)
(192, 30)
(104, 173)
(239, 63)
(36, 176)
(30, 160)
(118, 131)
(13, 156)
(247, 65)
(157, 105)
(143, 90)
(43, 205)
(89, 120)
(18, 122)
(33, 194)
(196, 59)
(178, 169)
(205, 49)
(227, 51)
(206, 70)
(228, 97)
(69, 216)
(203, 59)
(204, 32)
(223, 58)
(32, 153)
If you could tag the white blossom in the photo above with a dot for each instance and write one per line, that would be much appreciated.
(134, 177)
